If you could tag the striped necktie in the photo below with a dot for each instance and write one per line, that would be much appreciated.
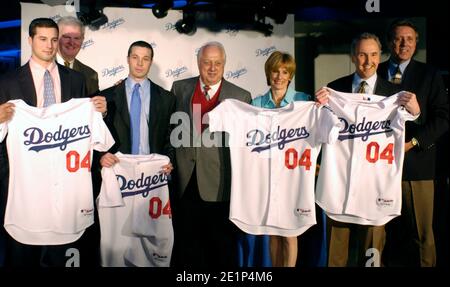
(49, 92)
(362, 87)
(397, 78)
(206, 88)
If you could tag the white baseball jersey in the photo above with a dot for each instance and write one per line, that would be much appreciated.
(360, 175)
(135, 215)
(50, 199)
(273, 162)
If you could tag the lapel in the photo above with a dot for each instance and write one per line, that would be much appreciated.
(190, 90)
(154, 102)
(223, 91)
(76, 66)
(409, 74)
(26, 85)
(120, 98)
(64, 75)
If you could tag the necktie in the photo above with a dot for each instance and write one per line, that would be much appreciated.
(49, 93)
(135, 119)
(397, 78)
(67, 64)
(206, 88)
(362, 87)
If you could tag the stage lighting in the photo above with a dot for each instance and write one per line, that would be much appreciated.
(94, 19)
(91, 14)
(161, 8)
(187, 24)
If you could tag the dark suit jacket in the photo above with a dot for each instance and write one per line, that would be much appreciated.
(382, 87)
(162, 105)
(426, 82)
(90, 75)
(19, 85)
(212, 164)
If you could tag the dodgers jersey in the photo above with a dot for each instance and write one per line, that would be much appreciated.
(360, 175)
(50, 199)
(134, 211)
(273, 163)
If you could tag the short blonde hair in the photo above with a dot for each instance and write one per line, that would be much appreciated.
(276, 60)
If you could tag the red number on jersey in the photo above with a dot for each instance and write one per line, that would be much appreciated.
(388, 153)
(154, 209)
(305, 159)
(73, 161)
(72, 165)
(287, 158)
(373, 150)
(293, 162)
(372, 157)
(167, 210)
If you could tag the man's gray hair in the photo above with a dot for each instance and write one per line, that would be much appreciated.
(363, 36)
(211, 44)
(71, 21)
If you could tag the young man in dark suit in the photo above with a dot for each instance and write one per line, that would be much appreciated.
(27, 84)
(410, 239)
(157, 105)
(365, 54)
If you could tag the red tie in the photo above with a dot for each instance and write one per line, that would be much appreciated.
(206, 88)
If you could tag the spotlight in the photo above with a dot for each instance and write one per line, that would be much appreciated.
(161, 8)
(91, 14)
(94, 19)
(187, 24)
(265, 28)
(270, 9)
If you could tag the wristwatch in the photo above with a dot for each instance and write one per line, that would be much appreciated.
(414, 142)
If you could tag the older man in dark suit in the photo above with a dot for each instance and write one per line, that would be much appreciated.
(204, 236)
(71, 37)
(365, 54)
(410, 238)
(30, 83)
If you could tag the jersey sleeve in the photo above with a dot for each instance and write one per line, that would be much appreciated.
(102, 139)
(110, 195)
(328, 125)
(401, 114)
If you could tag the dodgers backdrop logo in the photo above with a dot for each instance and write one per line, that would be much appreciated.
(87, 43)
(111, 72)
(363, 129)
(40, 140)
(175, 73)
(143, 184)
(265, 51)
(113, 24)
(170, 26)
(235, 74)
(280, 138)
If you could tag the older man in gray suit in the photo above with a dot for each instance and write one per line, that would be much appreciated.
(204, 237)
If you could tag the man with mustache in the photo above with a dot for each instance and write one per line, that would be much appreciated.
(365, 54)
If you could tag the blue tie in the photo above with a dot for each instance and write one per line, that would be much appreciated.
(49, 93)
(135, 119)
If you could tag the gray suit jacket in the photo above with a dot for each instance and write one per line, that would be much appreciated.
(90, 75)
(212, 164)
